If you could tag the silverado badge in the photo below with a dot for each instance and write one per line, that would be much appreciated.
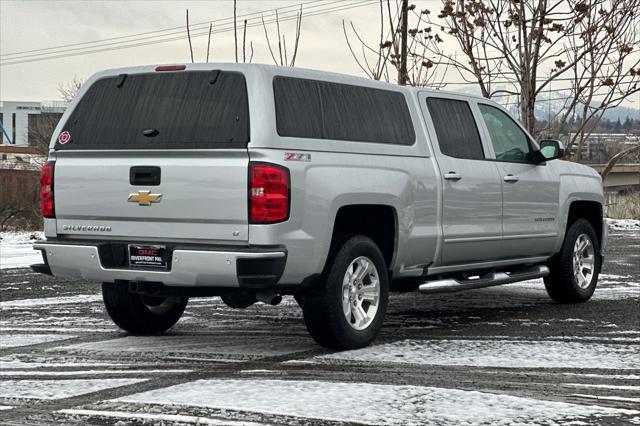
(144, 198)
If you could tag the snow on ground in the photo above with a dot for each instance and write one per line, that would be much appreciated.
(607, 398)
(16, 250)
(368, 403)
(46, 301)
(88, 373)
(6, 364)
(496, 353)
(623, 224)
(157, 418)
(247, 347)
(57, 389)
(15, 340)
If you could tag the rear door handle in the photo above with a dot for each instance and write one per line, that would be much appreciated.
(452, 176)
(511, 178)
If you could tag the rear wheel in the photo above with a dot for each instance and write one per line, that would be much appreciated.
(141, 314)
(574, 271)
(349, 310)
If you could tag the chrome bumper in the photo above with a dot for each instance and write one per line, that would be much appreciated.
(189, 268)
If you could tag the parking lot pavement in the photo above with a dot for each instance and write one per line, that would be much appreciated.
(505, 354)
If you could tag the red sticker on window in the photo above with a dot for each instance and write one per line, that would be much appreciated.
(64, 137)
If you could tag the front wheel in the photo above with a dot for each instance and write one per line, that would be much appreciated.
(349, 310)
(574, 271)
(141, 314)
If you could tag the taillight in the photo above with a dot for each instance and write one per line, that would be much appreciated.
(269, 193)
(46, 190)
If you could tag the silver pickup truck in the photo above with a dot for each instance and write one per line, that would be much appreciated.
(250, 182)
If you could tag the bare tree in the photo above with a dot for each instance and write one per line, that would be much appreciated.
(189, 37)
(209, 41)
(235, 36)
(283, 53)
(616, 158)
(511, 42)
(404, 47)
(244, 45)
(41, 127)
(69, 90)
(235, 28)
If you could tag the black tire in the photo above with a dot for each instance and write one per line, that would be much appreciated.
(561, 283)
(323, 310)
(139, 314)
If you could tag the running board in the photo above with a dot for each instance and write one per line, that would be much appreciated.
(489, 280)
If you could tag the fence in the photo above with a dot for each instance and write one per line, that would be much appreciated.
(19, 195)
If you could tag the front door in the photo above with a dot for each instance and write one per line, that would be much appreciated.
(472, 191)
(530, 192)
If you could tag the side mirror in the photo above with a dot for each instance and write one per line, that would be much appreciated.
(551, 149)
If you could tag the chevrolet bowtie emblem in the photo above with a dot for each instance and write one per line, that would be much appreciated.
(144, 198)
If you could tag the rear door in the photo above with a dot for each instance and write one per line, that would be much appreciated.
(156, 156)
(472, 193)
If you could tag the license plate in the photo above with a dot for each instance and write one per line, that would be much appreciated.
(147, 256)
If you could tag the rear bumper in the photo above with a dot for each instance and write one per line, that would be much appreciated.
(189, 267)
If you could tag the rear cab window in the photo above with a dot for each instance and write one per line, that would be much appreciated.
(455, 128)
(161, 110)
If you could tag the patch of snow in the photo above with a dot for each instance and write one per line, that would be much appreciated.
(46, 301)
(16, 249)
(59, 329)
(590, 385)
(607, 398)
(15, 364)
(87, 373)
(368, 403)
(487, 353)
(156, 417)
(606, 376)
(58, 389)
(247, 347)
(14, 340)
(623, 224)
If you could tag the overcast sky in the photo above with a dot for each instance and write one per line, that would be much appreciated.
(28, 25)
(31, 24)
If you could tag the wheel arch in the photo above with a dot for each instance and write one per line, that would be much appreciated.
(376, 221)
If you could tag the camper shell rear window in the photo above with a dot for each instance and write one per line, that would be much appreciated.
(161, 110)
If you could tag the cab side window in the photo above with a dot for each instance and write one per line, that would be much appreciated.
(509, 142)
(456, 128)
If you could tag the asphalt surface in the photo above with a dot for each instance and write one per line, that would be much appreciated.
(510, 340)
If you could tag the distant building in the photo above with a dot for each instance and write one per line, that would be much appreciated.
(599, 147)
(28, 123)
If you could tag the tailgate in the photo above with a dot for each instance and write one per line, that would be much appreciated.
(200, 196)
(156, 156)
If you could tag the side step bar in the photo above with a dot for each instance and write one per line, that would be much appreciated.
(489, 280)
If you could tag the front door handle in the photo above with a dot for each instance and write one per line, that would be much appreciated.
(511, 178)
(452, 176)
